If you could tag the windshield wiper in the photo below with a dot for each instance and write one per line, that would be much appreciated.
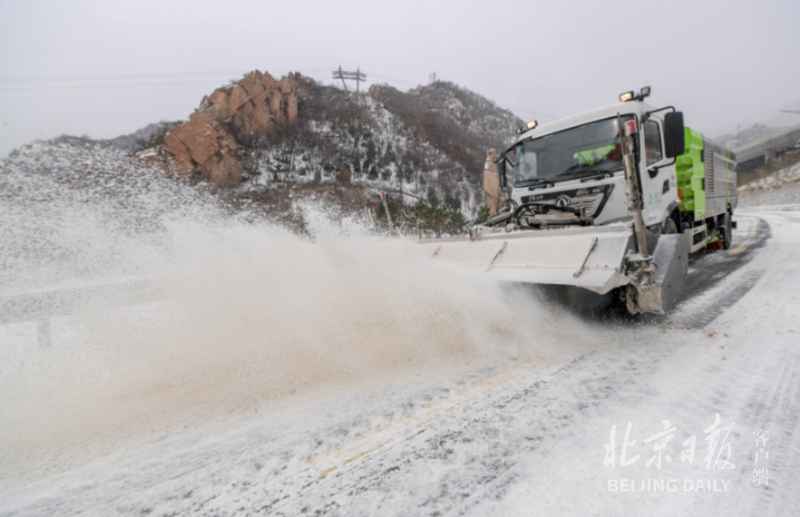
(532, 181)
(601, 175)
(586, 171)
(542, 185)
(535, 183)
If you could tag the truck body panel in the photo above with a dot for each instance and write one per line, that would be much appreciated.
(706, 177)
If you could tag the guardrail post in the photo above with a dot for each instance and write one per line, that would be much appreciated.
(388, 214)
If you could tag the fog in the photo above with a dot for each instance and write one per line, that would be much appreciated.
(105, 69)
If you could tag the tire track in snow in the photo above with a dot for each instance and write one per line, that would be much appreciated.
(711, 291)
(434, 444)
(778, 410)
(364, 444)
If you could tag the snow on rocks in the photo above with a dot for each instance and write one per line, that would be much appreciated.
(780, 188)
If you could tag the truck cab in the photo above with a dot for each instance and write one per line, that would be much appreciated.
(577, 162)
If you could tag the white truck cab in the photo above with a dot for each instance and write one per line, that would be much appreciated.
(577, 162)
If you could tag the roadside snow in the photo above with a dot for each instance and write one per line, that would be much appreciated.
(781, 188)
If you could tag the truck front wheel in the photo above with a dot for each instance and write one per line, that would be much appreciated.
(671, 228)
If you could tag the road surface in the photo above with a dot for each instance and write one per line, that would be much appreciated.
(525, 431)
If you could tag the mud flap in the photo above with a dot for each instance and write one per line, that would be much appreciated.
(672, 263)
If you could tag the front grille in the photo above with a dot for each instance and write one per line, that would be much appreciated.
(590, 202)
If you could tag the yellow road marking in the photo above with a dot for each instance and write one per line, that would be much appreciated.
(373, 440)
(740, 248)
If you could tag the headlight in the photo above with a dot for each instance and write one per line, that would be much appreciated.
(625, 97)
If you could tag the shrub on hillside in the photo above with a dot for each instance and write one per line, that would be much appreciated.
(444, 219)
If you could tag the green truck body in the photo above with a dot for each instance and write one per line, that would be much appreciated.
(706, 177)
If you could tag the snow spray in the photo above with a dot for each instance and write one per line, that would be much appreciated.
(242, 312)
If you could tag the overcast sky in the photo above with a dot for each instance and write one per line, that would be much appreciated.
(106, 68)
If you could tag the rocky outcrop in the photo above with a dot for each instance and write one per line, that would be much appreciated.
(243, 112)
(259, 131)
(455, 105)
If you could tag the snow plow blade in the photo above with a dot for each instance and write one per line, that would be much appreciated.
(593, 258)
(585, 257)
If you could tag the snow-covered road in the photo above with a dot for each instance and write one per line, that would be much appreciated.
(516, 434)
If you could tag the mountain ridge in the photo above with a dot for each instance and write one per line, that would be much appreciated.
(269, 145)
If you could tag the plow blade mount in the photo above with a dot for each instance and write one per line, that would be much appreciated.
(590, 257)
(672, 263)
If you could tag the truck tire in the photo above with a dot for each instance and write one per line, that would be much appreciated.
(727, 231)
(627, 301)
(670, 228)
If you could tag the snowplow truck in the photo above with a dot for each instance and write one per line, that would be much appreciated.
(611, 201)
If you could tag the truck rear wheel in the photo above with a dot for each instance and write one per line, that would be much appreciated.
(727, 231)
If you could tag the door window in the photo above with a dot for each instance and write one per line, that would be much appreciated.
(652, 142)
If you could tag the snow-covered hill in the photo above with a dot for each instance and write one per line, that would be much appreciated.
(268, 148)
(430, 142)
(747, 135)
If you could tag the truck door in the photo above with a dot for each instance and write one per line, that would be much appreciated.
(659, 185)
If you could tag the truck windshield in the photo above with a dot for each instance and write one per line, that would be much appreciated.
(589, 149)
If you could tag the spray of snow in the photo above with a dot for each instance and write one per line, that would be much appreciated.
(246, 313)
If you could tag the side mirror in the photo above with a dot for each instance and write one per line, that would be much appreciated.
(501, 169)
(674, 137)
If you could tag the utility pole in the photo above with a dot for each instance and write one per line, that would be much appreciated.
(357, 76)
(338, 74)
(738, 140)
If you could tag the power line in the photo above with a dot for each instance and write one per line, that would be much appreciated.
(112, 77)
(178, 75)
(114, 85)
(386, 78)
(357, 76)
(103, 86)
(33, 83)
(175, 75)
